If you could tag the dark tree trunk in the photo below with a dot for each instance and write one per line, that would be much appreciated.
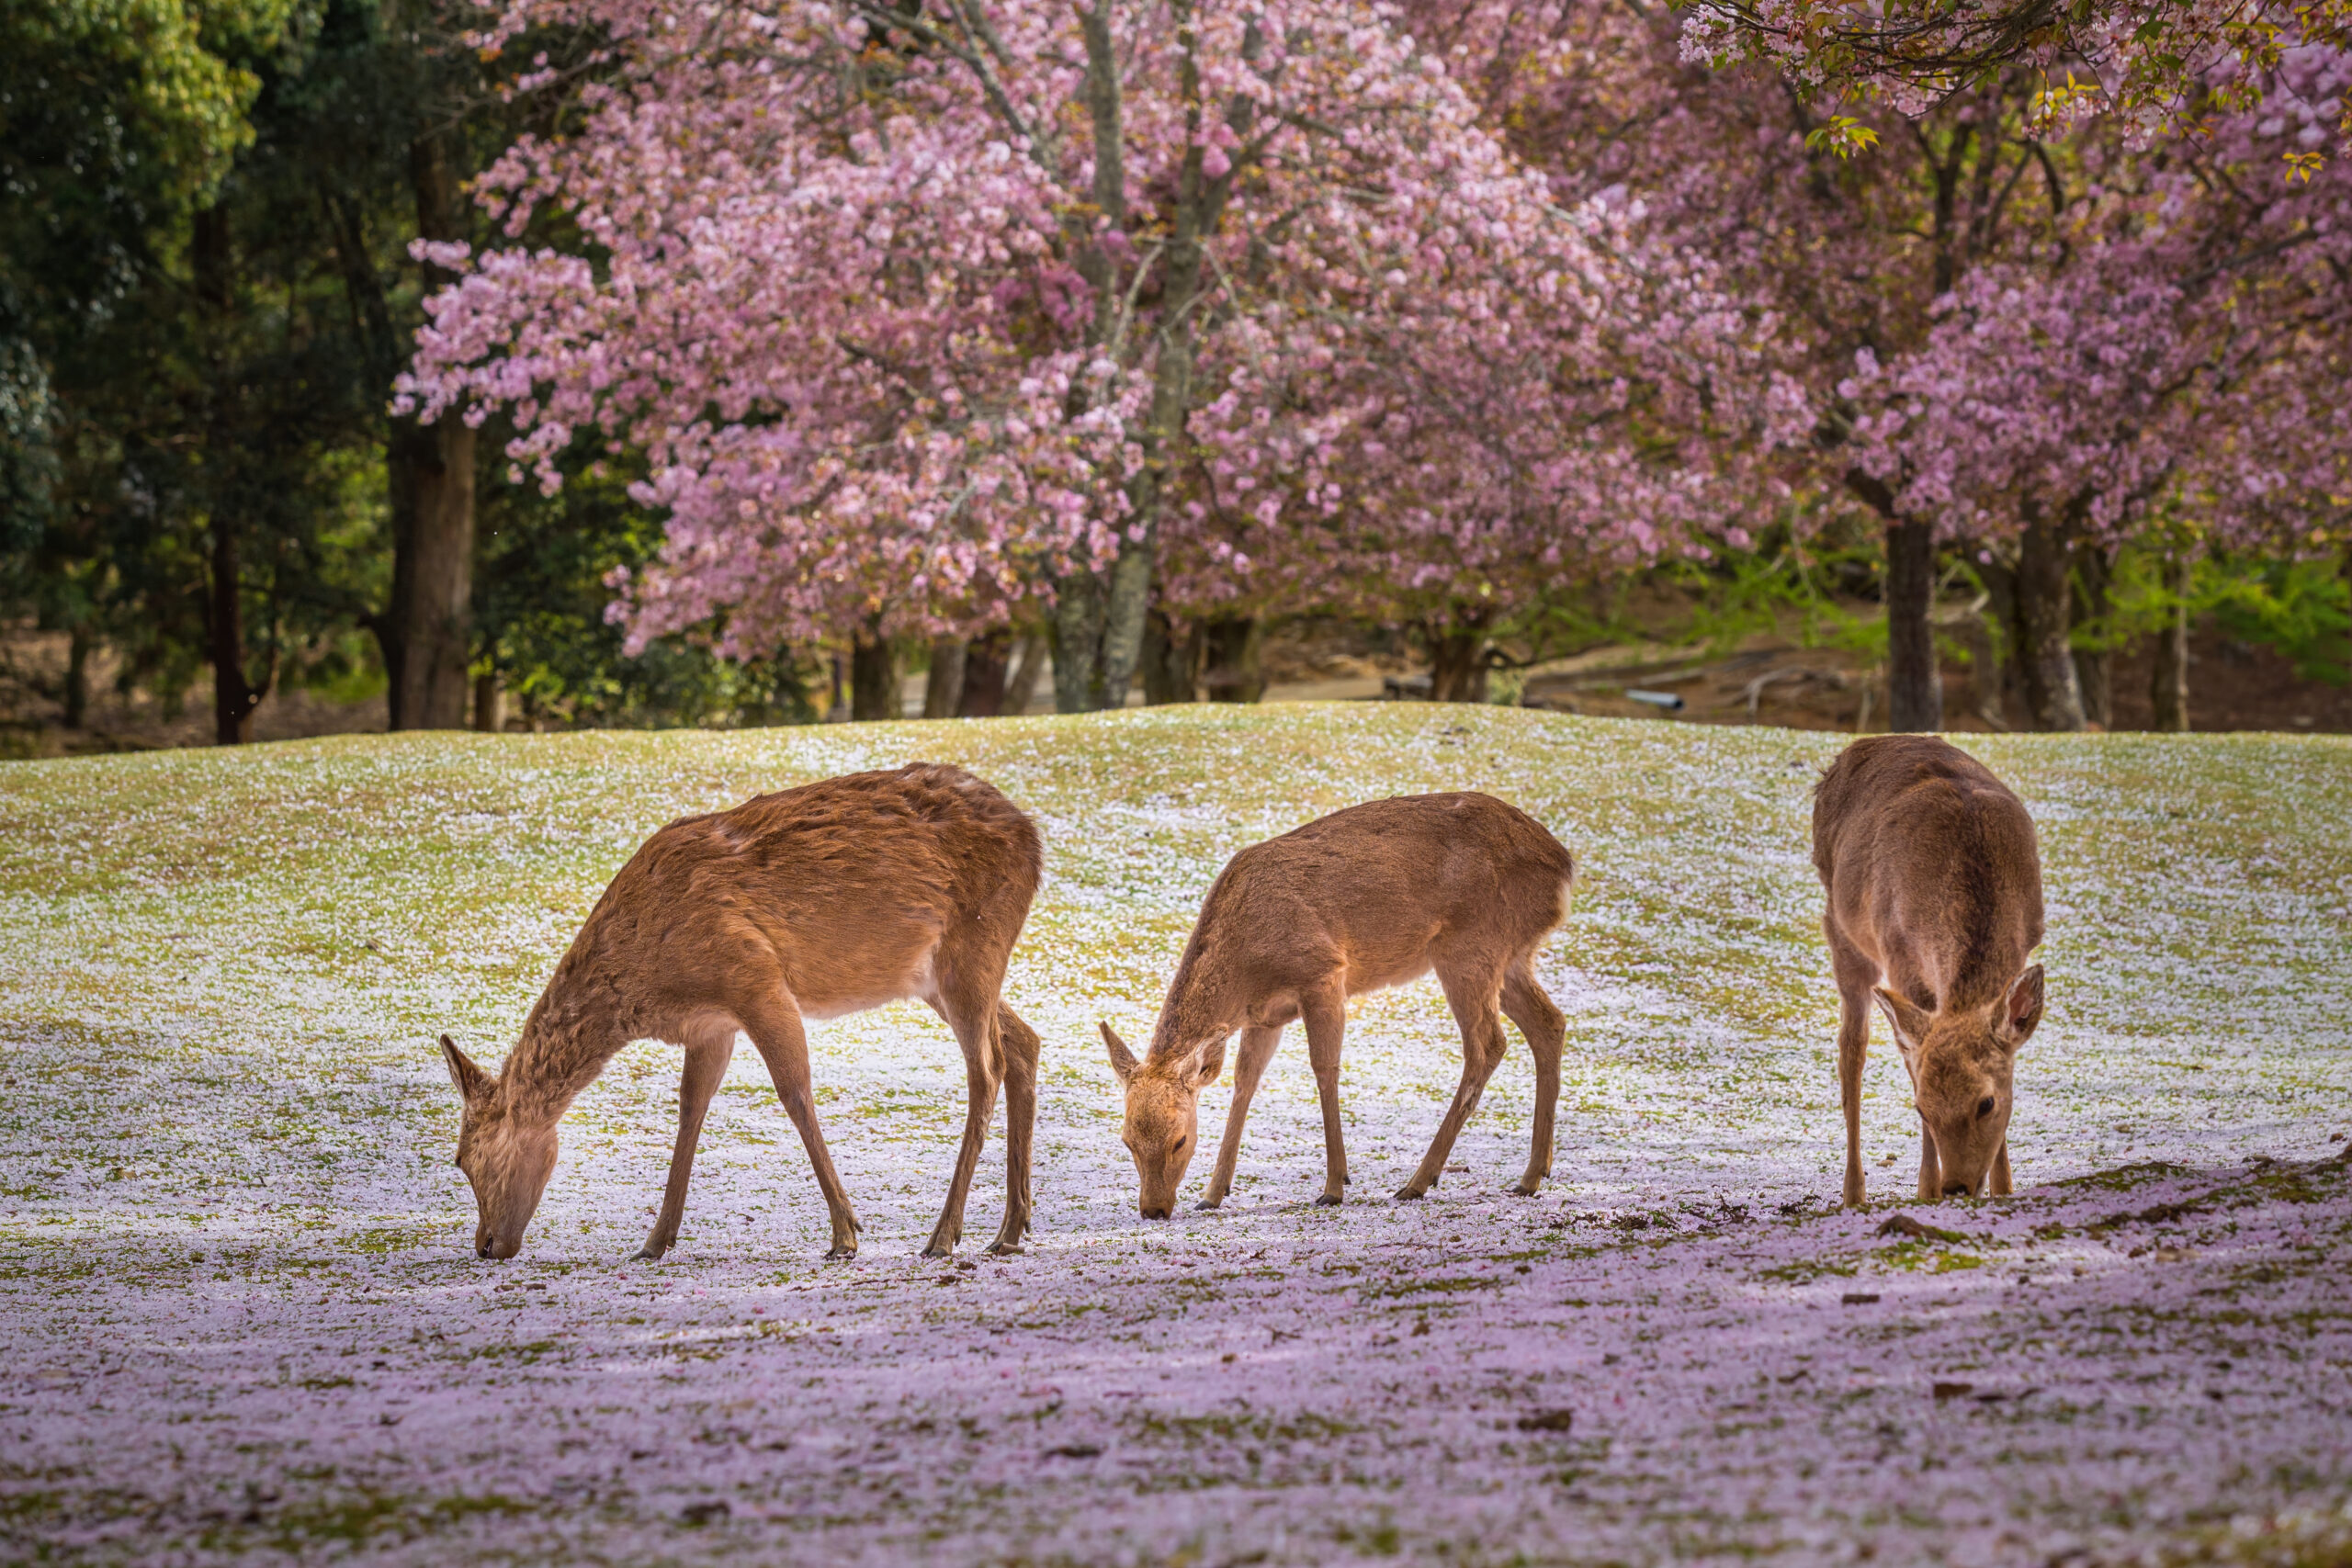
(436, 638)
(1229, 663)
(1984, 668)
(2045, 596)
(2094, 568)
(235, 698)
(984, 671)
(1458, 665)
(2169, 681)
(432, 613)
(1078, 635)
(2001, 689)
(874, 679)
(1171, 664)
(77, 676)
(943, 689)
(1021, 681)
(489, 702)
(404, 450)
(1914, 686)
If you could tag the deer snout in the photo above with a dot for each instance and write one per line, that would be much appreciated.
(1156, 1211)
(1958, 1190)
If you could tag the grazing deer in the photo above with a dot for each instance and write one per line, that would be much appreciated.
(810, 903)
(1371, 896)
(1934, 907)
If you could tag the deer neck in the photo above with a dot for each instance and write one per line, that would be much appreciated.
(1194, 1016)
(566, 1043)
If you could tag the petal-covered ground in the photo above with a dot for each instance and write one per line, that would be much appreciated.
(243, 1320)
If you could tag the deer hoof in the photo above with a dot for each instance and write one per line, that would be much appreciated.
(649, 1253)
(842, 1249)
(1527, 1187)
(1000, 1247)
(1209, 1203)
(1327, 1201)
(1409, 1195)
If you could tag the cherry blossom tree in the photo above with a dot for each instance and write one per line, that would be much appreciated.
(910, 309)
(2174, 348)
(2153, 65)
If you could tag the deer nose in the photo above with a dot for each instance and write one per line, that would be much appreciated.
(1160, 1213)
(1957, 1188)
(481, 1249)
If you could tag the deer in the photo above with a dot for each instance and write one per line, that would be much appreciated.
(809, 903)
(1374, 896)
(1934, 907)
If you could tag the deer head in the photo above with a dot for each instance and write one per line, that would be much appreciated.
(1163, 1114)
(507, 1163)
(1960, 1065)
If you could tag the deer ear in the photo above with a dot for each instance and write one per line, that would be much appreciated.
(1123, 1061)
(1909, 1024)
(1208, 1063)
(471, 1082)
(2021, 1009)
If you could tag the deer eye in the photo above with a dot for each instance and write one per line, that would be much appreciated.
(1984, 1106)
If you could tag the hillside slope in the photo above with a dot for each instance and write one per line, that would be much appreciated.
(233, 1254)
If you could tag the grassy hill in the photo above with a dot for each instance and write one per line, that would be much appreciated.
(226, 1154)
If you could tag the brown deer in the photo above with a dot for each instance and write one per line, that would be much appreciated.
(809, 903)
(1934, 907)
(1372, 896)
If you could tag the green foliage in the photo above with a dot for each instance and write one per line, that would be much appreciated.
(540, 596)
(117, 118)
(1783, 580)
(2299, 608)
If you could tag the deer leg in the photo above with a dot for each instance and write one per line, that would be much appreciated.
(1325, 1014)
(1472, 999)
(1853, 1047)
(2001, 1170)
(1930, 1176)
(1019, 1043)
(707, 1062)
(1547, 1033)
(975, 1026)
(776, 1030)
(1257, 1050)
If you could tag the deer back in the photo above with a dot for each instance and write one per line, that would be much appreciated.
(1931, 867)
(846, 888)
(1373, 890)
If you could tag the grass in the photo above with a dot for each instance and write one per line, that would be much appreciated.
(233, 1252)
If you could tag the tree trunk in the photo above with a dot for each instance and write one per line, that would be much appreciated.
(874, 679)
(1458, 665)
(432, 613)
(1230, 671)
(2169, 681)
(235, 698)
(1021, 682)
(78, 644)
(1171, 664)
(984, 672)
(2094, 568)
(1078, 633)
(943, 689)
(1914, 686)
(2004, 682)
(2044, 597)
(436, 635)
(489, 702)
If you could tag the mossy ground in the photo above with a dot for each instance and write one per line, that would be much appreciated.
(243, 1320)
